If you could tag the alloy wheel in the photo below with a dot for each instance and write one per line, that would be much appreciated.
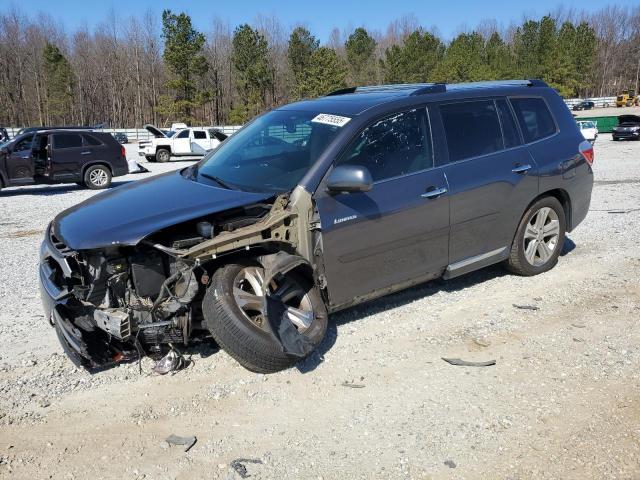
(541, 236)
(248, 293)
(98, 177)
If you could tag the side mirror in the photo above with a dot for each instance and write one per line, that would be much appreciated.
(349, 179)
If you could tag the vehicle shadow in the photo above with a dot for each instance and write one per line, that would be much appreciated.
(401, 298)
(54, 189)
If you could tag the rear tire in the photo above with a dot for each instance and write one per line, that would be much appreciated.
(97, 177)
(252, 345)
(539, 238)
(163, 155)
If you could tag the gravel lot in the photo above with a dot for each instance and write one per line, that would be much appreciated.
(376, 401)
(609, 111)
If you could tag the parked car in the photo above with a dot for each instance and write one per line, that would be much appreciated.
(584, 105)
(589, 130)
(365, 192)
(185, 142)
(61, 156)
(121, 137)
(628, 128)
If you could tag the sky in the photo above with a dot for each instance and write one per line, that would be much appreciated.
(320, 16)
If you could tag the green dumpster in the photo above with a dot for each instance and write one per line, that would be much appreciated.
(605, 124)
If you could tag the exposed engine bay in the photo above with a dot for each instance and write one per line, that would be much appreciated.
(124, 302)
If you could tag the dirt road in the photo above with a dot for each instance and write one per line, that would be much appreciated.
(377, 400)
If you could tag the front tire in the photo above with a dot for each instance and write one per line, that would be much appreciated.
(232, 308)
(539, 238)
(163, 155)
(97, 177)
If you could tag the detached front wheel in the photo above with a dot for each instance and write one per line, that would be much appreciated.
(539, 238)
(234, 310)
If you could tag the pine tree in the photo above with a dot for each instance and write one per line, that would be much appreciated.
(326, 72)
(359, 48)
(59, 85)
(183, 56)
(415, 60)
(301, 47)
(253, 72)
(464, 60)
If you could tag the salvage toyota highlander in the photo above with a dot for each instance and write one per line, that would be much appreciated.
(314, 207)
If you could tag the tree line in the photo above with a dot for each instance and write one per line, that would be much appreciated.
(150, 69)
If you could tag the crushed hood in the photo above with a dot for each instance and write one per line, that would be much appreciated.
(127, 214)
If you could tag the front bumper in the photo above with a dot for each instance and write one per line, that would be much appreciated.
(626, 135)
(86, 346)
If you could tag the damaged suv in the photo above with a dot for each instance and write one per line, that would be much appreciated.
(314, 207)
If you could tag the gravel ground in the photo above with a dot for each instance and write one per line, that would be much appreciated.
(376, 400)
(609, 111)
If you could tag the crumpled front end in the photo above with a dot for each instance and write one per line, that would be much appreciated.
(117, 303)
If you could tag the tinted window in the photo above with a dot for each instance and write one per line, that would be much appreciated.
(471, 128)
(394, 146)
(183, 134)
(534, 118)
(24, 144)
(91, 140)
(67, 140)
(199, 134)
(509, 131)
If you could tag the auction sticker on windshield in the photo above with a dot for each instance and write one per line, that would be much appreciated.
(328, 119)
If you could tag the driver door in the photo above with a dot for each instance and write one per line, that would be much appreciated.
(182, 142)
(397, 233)
(20, 162)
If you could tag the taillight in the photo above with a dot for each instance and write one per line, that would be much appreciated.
(586, 149)
(123, 152)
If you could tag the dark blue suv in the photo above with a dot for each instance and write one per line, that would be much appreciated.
(313, 207)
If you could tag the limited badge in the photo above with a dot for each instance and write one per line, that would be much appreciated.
(328, 119)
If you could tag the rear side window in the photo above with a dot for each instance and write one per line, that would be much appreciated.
(509, 130)
(199, 134)
(534, 118)
(91, 140)
(67, 140)
(472, 129)
(394, 146)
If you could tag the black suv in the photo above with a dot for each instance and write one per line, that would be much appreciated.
(62, 156)
(584, 105)
(358, 194)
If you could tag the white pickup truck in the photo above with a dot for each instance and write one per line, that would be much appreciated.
(186, 141)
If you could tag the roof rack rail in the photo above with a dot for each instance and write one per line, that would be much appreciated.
(433, 88)
(341, 91)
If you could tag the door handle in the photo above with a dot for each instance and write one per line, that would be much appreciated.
(85, 153)
(521, 169)
(436, 192)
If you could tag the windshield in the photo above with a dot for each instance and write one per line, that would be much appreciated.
(271, 154)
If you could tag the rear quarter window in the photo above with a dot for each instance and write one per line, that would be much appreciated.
(472, 129)
(91, 140)
(534, 118)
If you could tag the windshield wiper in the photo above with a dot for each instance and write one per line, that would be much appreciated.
(216, 179)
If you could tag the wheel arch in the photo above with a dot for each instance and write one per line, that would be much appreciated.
(88, 165)
(163, 147)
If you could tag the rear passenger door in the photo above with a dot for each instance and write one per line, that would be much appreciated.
(200, 142)
(492, 178)
(396, 233)
(67, 155)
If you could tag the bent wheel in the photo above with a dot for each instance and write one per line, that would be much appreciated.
(233, 307)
